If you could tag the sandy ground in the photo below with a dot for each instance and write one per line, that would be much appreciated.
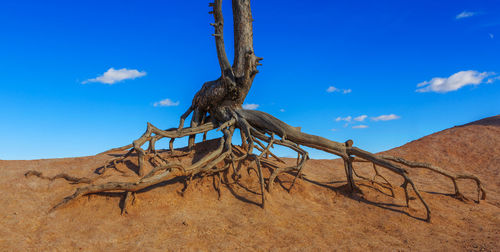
(317, 214)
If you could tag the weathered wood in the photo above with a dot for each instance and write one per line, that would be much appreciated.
(218, 105)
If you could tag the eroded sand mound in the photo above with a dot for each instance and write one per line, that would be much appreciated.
(315, 215)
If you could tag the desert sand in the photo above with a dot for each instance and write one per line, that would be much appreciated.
(317, 213)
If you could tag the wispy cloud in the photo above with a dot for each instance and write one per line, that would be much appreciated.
(491, 35)
(360, 118)
(385, 117)
(282, 110)
(493, 79)
(347, 119)
(332, 89)
(113, 76)
(350, 118)
(166, 103)
(360, 126)
(465, 14)
(454, 82)
(251, 106)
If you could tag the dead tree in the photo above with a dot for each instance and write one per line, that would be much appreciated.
(218, 106)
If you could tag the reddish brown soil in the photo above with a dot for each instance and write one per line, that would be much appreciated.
(314, 215)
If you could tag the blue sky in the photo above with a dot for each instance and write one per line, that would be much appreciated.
(80, 77)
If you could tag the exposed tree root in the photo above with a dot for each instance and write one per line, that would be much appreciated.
(218, 106)
(257, 127)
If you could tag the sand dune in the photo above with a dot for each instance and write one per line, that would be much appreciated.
(316, 214)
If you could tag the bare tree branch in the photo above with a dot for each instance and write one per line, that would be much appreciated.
(225, 66)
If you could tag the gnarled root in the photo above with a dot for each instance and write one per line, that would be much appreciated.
(261, 122)
(166, 171)
(255, 127)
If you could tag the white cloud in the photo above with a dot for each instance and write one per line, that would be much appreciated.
(333, 130)
(251, 106)
(491, 35)
(385, 117)
(166, 103)
(112, 76)
(360, 118)
(454, 82)
(282, 110)
(360, 127)
(465, 14)
(332, 89)
(347, 119)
